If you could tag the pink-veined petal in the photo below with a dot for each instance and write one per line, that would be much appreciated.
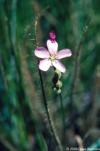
(64, 53)
(44, 64)
(41, 52)
(57, 64)
(52, 46)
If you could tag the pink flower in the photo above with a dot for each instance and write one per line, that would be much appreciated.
(51, 56)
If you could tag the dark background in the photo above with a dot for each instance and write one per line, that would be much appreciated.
(23, 121)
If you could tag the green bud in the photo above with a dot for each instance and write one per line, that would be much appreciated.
(59, 84)
(59, 91)
(54, 89)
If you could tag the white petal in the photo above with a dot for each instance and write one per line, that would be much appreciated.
(41, 52)
(52, 46)
(44, 64)
(64, 53)
(57, 64)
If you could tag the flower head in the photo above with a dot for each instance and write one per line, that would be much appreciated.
(50, 56)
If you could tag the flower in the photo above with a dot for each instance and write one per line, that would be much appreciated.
(50, 56)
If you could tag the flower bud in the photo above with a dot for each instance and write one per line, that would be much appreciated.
(52, 36)
(59, 84)
(58, 73)
(59, 91)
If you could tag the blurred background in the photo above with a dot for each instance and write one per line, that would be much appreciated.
(23, 120)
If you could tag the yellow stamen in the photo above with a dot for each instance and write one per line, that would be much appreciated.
(52, 57)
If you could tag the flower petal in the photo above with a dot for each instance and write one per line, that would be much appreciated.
(52, 46)
(41, 52)
(44, 64)
(57, 64)
(64, 53)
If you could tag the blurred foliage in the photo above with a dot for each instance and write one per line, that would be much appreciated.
(23, 121)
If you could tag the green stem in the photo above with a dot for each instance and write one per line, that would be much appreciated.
(48, 114)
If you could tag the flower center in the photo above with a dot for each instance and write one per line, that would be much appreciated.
(52, 57)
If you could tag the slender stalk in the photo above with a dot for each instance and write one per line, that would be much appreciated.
(48, 114)
(55, 136)
(63, 119)
(76, 69)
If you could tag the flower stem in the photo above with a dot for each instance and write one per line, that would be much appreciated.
(48, 114)
(63, 119)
